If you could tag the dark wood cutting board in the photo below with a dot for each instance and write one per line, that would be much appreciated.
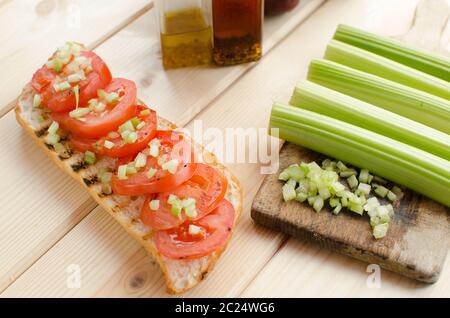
(416, 244)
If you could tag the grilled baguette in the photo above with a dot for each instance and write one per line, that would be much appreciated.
(180, 275)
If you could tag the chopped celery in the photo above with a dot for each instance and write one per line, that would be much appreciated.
(52, 139)
(53, 129)
(154, 205)
(380, 230)
(194, 229)
(108, 144)
(363, 175)
(289, 192)
(406, 101)
(322, 100)
(371, 63)
(364, 188)
(352, 182)
(150, 173)
(37, 100)
(318, 204)
(401, 52)
(381, 191)
(145, 112)
(391, 196)
(122, 172)
(89, 157)
(334, 202)
(301, 197)
(141, 160)
(401, 163)
(337, 209)
(348, 173)
(171, 166)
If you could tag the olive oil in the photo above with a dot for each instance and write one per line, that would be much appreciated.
(186, 39)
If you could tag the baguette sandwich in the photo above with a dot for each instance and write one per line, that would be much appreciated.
(94, 128)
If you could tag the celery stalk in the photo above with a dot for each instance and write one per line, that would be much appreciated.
(398, 162)
(409, 55)
(371, 63)
(325, 101)
(414, 104)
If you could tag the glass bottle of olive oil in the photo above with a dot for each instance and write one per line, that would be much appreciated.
(186, 37)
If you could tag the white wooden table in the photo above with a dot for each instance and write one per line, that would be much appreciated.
(48, 222)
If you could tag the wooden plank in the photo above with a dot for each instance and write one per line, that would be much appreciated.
(304, 269)
(416, 244)
(31, 30)
(124, 53)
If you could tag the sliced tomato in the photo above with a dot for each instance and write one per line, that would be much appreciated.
(207, 186)
(120, 149)
(173, 146)
(97, 125)
(215, 232)
(42, 78)
(65, 101)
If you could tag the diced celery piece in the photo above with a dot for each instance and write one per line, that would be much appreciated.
(334, 202)
(324, 193)
(89, 157)
(154, 205)
(108, 144)
(122, 172)
(318, 204)
(301, 197)
(363, 175)
(53, 129)
(364, 188)
(37, 100)
(381, 191)
(288, 192)
(337, 209)
(391, 196)
(52, 139)
(380, 230)
(127, 126)
(151, 173)
(352, 182)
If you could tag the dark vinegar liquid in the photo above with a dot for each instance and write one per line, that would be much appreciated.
(237, 31)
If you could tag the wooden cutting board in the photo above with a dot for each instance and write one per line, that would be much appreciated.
(416, 244)
(419, 235)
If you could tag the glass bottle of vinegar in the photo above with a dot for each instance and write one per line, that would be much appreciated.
(185, 28)
(237, 28)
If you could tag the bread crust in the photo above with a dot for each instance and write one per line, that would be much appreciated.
(170, 268)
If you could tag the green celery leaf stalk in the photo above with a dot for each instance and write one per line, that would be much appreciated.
(386, 157)
(375, 64)
(322, 100)
(414, 104)
(401, 52)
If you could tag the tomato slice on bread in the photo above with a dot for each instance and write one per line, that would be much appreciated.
(113, 145)
(199, 238)
(62, 101)
(153, 177)
(207, 187)
(97, 124)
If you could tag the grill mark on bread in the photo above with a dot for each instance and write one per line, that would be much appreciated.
(41, 132)
(90, 180)
(76, 167)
